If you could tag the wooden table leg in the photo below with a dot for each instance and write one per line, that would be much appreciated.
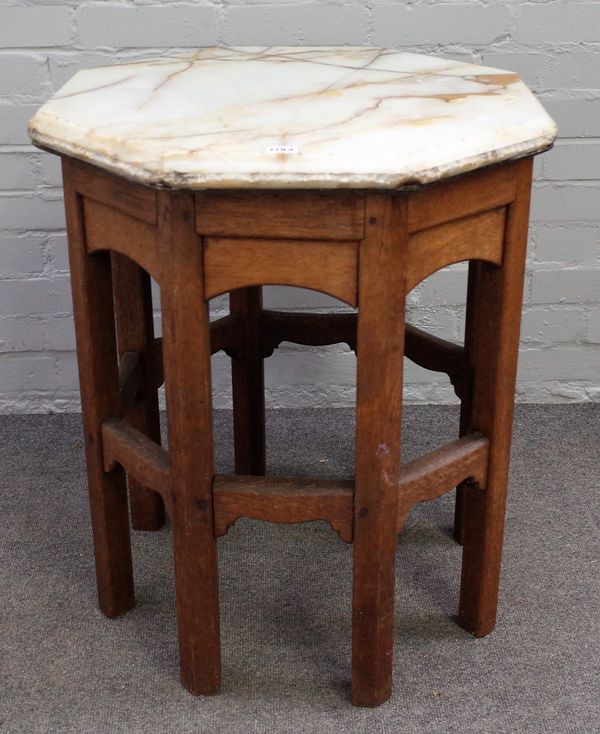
(497, 317)
(99, 386)
(467, 399)
(186, 355)
(249, 385)
(380, 341)
(135, 333)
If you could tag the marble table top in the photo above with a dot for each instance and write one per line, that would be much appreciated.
(293, 117)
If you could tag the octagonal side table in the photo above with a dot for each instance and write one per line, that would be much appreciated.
(354, 172)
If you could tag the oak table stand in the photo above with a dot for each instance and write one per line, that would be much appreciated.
(357, 172)
(368, 248)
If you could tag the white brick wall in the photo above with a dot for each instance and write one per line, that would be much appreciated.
(553, 44)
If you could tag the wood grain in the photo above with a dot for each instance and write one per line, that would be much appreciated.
(225, 334)
(466, 402)
(91, 285)
(186, 351)
(283, 500)
(480, 237)
(310, 215)
(462, 196)
(440, 470)
(135, 335)
(126, 197)
(131, 379)
(366, 248)
(248, 384)
(329, 267)
(438, 355)
(315, 329)
(109, 229)
(380, 341)
(141, 457)
(494, 351)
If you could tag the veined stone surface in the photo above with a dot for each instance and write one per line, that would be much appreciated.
(293, 117)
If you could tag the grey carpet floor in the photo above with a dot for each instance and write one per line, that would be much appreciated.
(285, 598)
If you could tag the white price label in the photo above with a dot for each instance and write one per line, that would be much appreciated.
(281, 149)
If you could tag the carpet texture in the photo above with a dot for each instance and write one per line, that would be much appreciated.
(285, 598)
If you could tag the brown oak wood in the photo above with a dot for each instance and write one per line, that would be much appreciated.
(248, 384)
(479, 236)
(313, 329)
(317, 329)
(329, 267)
(366, 248)
(133, 200)
(91, 286)
(438, 355)
(141, 457)
(283, 500)
(467, 387)
(108, 229)
(380, 341)
(227, 334)
(463, 196)
(441, 470)
(309, 215)
(497, 320)
(131, 379)
(186, 356)
(135, 335)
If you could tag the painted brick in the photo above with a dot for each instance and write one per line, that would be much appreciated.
(559, 22)
(545, 42)
(27, 373)
(21, 334)
(63, 67)
(100, 25)
(60, 334)
(570, 364)
(444, 288)
(415, 374)
(538, 163)
(157, 325)
(553, 391)
(17, 171)
(574, 245)
(565, 286)
(39, 296)
(398, 24)
(299, 298)
(31, 213)
(20, 255)
(593, 332)
(57, 243)
(290, 368)
(573, 160)
(440, 322)
(530, 66)
(34, 26)
(13, 123)
(24, 75)
(68, 375)
(563, 203)
(51, 170)
(552, 326)
(575, 117)
(296, 24)
(219, 306)
(575, 70)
